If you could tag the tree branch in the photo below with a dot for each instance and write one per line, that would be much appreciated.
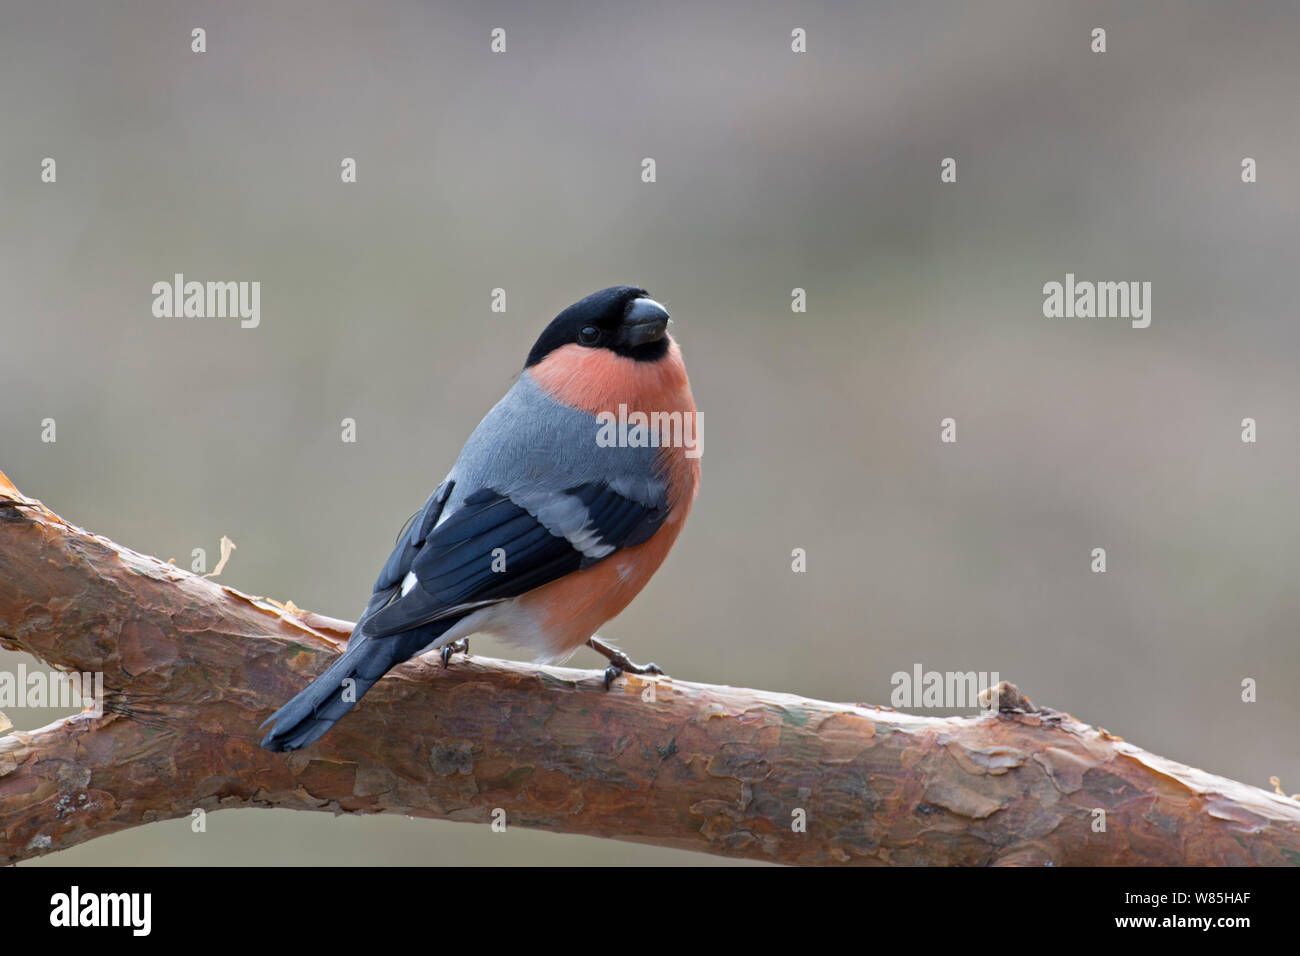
(191, 668)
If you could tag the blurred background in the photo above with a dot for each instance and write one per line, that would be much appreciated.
(775, 170)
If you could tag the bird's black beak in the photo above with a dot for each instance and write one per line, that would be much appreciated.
(644, 321)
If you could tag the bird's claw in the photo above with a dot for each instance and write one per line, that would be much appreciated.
(620, 663)
(455, 647)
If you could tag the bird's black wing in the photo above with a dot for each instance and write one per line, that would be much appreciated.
(493, 548)
(409, 541)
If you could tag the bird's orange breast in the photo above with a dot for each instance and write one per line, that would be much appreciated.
(572, 609)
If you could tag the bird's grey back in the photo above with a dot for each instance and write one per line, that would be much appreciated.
(530, 444)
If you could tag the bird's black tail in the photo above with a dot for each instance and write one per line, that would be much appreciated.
(321, 703)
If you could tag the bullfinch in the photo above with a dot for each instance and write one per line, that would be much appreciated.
(542, 531)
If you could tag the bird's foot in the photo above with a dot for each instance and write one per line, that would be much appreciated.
(455, 647)
(620, 663)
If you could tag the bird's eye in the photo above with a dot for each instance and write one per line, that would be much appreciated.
(588, 335)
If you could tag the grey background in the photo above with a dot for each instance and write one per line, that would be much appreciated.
(775, 170)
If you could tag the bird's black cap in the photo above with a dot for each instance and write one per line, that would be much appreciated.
(622, 318)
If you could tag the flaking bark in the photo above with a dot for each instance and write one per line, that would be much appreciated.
(191, 668)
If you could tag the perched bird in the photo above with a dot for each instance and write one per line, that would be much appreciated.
(541, 532)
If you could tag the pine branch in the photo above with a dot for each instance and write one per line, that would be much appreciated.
(191, 668)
